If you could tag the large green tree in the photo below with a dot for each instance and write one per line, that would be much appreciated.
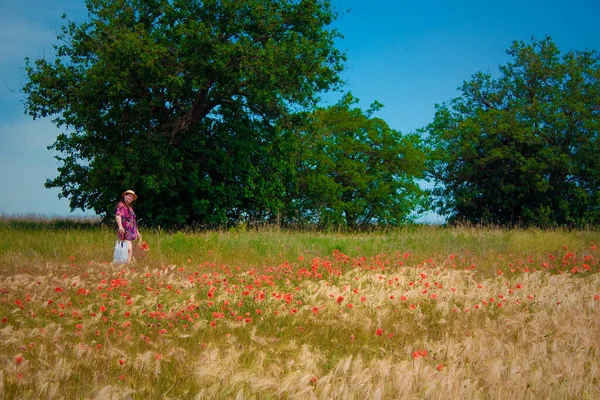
(522, 148)
(180, 100)
(355, 171)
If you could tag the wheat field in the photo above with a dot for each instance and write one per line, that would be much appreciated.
(414, 313)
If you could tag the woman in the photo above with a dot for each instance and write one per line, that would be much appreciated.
(126, 222)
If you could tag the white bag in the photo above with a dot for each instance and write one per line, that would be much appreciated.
(121, 250)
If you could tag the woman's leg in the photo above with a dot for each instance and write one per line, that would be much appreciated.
(129, 250)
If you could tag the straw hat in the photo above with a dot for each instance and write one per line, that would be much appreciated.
(130, 192)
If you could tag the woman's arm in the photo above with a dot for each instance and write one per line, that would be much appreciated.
(120, 224)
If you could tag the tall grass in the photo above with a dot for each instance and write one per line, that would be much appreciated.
(418, 312)
(23, 242)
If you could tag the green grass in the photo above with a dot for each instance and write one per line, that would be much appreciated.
(23, 242)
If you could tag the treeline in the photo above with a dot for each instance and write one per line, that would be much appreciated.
(210, 112)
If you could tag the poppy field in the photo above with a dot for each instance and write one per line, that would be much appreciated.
(420, 312)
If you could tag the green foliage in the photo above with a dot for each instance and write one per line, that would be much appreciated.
(523, 148)
(355, 171)
(179, 100)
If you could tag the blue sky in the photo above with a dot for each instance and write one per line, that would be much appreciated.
(407, 55)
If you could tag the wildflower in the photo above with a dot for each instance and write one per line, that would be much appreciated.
(121, 361)
(440, 367)
(18, 359)
(349, 305)
(315, 310)
(158, 356)
(352, 338)
(379, 332)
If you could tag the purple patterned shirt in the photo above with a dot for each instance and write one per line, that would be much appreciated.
(127, 220)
